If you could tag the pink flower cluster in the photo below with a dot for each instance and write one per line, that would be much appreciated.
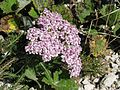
(54, 37)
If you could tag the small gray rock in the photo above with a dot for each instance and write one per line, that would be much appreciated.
(86, 81)
(109, 79)
(89, 86)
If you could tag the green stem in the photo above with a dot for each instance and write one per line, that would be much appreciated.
(107, 14)
(15, 40)
(18, 81)
(84, 32)
(38, 84)
(6, 65)
(49, 76)
(44, 68)
(4, 57)
(88, 32)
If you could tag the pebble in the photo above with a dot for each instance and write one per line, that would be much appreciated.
(86, 81)
(8, 85)
(103, 88)
(107, 58)
(33, 22)
(78, 1)
(109, 79)
(32, 88)
(118, 83)
(81, 88)
(80, 80)
(96, 89)
(114, 57)
(118, 62)
(89, 86)
(114, 67)
(96, 80)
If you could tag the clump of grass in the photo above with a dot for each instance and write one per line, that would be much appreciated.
(93, 66)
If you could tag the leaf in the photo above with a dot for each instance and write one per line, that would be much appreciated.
(64, 11)
(30, 73)
(52, 81)
(98, 45)
(117, 27)
(88, 4)
(84, 14)
(45, 80)
(12, 25)
(103, 10)
(48, 77)
(22, 4)
(56, 76)
(41, 4)
(11, 75)
(113, 17)
(36, 4)
(6, 5)
(47, 3)
(8, 24)
(33, 13)
(93, 32)
(84, 11)
(68, 84)
(58, 84)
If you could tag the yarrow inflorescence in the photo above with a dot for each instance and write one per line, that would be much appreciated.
(55, 37)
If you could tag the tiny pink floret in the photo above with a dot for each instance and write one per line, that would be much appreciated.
(55, 36)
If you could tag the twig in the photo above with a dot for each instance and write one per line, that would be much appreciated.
(6, 65)
(107, 14)
(84, 32)
(15, 40)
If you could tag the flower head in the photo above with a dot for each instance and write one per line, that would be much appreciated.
(54, 37)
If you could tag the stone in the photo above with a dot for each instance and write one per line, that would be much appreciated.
(113, 86)
(109, 79)
(96, 80)
(114, 67)
(80, 80)
(80, 88)
(89, 86)
(107, 58)
(78, 1)
(114, 57)
(86, 81)
(33, 22)
(31, 88)
(118, 61)
(96, 89)
(118, 83)
(8, 85)
(103, 88)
